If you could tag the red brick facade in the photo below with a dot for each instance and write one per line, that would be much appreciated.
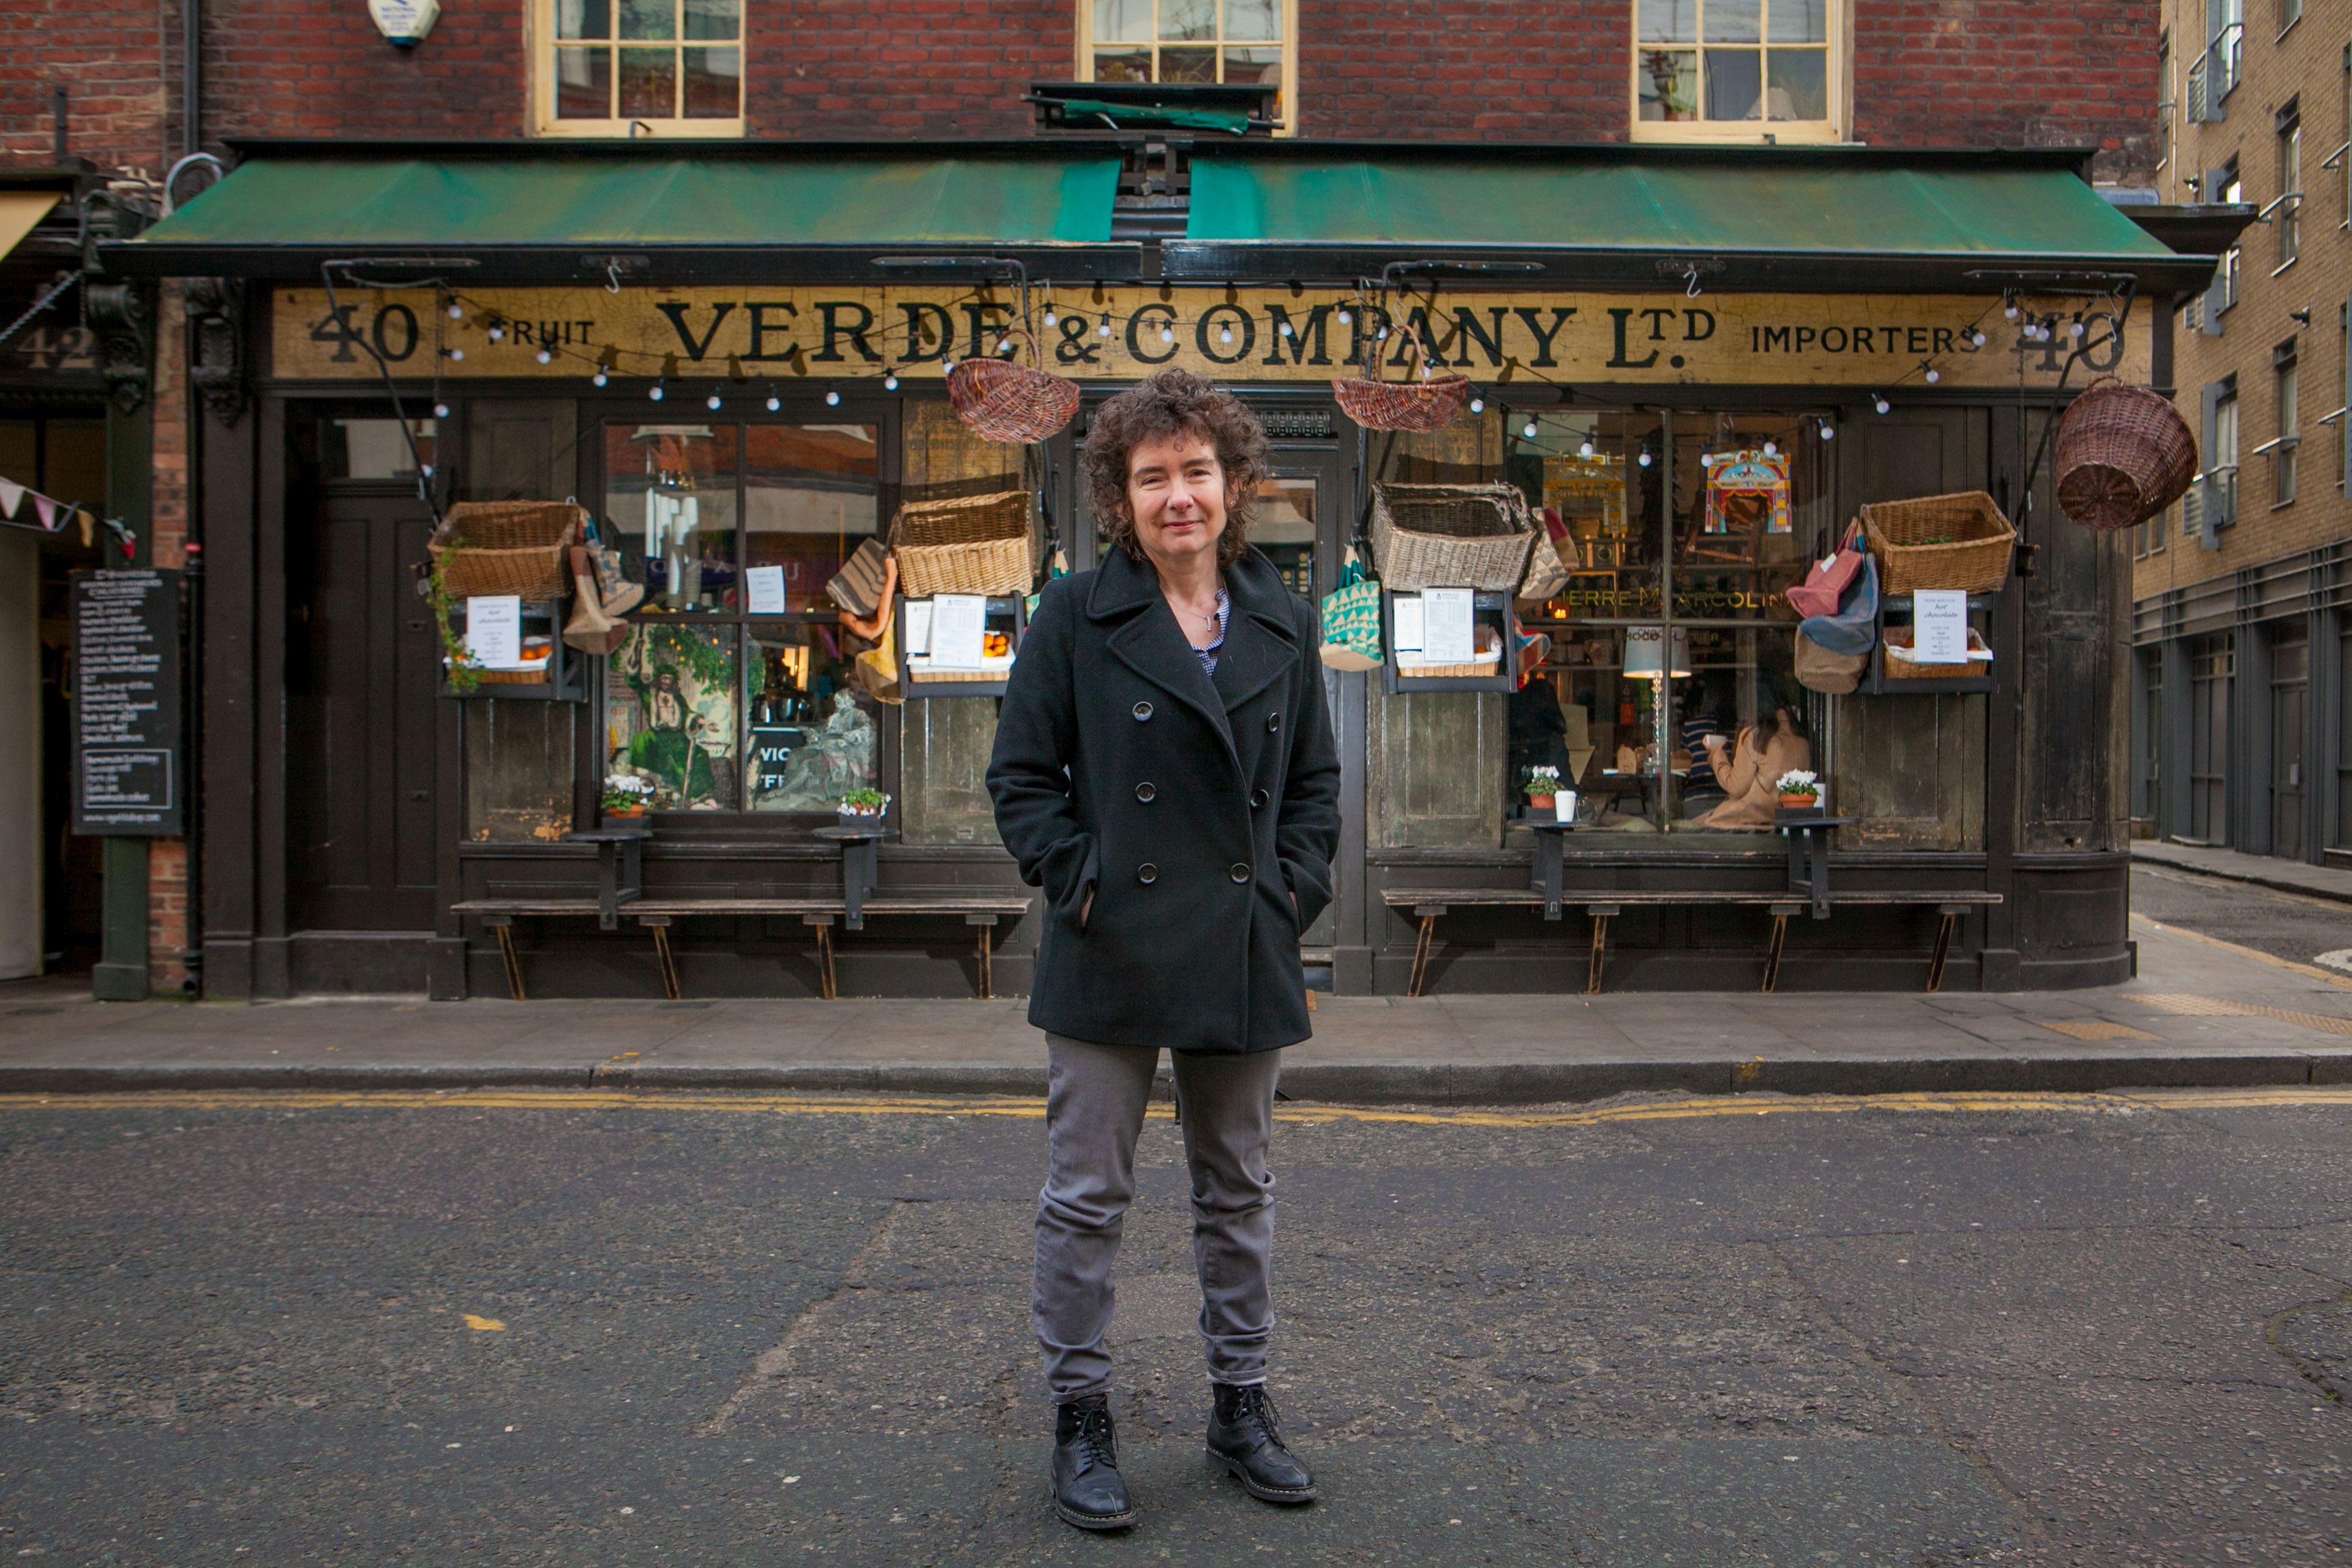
(1925, 72)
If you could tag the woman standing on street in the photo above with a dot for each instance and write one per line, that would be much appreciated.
(1164, 769)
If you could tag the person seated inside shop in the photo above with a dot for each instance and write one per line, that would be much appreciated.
(1747, 767)
(1699, 702)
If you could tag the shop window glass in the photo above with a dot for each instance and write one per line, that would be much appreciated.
(810, 495)
(1284, 530)
(1197, 42)
(1681, 534)
(670, 493)
(1706, 69)
(806, 739)
(374, 448)
(665, 66)
(671, 715)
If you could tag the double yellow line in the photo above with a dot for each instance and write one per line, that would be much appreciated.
(1685, 1108)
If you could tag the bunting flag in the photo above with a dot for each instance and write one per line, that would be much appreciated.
(12, 495)
(53, 514)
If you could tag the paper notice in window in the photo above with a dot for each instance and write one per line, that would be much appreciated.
(1405, 635)
(919, 627)
(494, 632)
(1448, 635)
(766, 585)
(957, 621)
(1939, 626)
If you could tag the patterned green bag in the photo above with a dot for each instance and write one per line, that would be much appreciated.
(1352, 619)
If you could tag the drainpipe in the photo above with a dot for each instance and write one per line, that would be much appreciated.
(192, 53)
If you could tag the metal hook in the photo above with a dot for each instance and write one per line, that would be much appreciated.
(1692, 292)
(613, 275)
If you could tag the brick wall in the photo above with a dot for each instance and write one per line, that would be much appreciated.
(1926, 72)
(167, 859)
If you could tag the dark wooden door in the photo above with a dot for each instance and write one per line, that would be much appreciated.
(361, 681)
(2290, 725)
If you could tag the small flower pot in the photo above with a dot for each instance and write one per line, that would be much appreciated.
(1801, 802)
(1541, 805)
(861, 819)
(623, 813)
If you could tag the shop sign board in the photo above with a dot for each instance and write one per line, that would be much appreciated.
(844, 334)
(127, 768)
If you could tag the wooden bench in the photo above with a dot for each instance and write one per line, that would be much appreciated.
(1428, 904)
(980, 911)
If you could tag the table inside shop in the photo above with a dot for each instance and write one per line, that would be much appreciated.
(861, 862)
(620, 868)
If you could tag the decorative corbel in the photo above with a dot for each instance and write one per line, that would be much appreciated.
(124, 316)
(216, 366)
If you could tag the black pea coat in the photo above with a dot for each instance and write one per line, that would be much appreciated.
(1193, 809)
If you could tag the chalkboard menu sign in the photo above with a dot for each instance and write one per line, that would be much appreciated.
(128, 773)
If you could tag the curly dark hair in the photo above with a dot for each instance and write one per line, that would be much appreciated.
(1175, 402)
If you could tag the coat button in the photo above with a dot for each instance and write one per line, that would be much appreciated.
(1146, 873)
(1241, 872)
(1273, 720)
(1143, 713)
(1145, 790)
(1258, 798)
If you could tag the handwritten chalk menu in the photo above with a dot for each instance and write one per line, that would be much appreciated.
(128, 778)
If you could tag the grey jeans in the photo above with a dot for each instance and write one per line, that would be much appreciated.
(1094, 1111)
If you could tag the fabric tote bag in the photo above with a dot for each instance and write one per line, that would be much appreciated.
(1352, 619)
(1824, 586)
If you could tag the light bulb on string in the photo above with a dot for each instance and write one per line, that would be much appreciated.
(1645, 459)
(497, 334)
(1285, 328)
(1585, 450)
(890, 381)
(1224, 334)
(440, 410)
(775, 404)
(2008, 308)
(1345, 316)
(455, 354)
(657, 393)
(1051, 319)
(1976, 337)
(600, 378)
(1934, 375)
(1167, 334)
(711, 402)
(1771, 449)
(1881, 404)
(832, 398)
(1529, 430)
(2075, 330)
(1829, 431)
(948, 365)
(456, 312)
(1382, 334)
(1477, 405)
(1105, 330)
(545, 357)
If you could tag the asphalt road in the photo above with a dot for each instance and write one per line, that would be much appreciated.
(2284, 924)
(2089, 1331)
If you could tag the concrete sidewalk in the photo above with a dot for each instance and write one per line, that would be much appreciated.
(2263, 871)
(2202, 1014)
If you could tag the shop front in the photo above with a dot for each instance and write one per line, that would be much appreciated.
(1692, 372)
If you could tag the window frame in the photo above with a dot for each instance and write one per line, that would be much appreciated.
(540, 40)
(1839, 45)
(1288, 43)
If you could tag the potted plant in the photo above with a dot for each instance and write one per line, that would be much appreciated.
(1540, 785)
(863, 808)
(626, 795)
(1799, 791)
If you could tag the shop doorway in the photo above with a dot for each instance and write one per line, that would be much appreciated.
(2290, 726)
(363, 670)
(2213, 666)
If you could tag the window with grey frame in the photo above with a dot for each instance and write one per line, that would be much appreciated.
(2212, 665)
(2216, 490)
(2285, 390)
(2214, 75)
(2286, 209)
(2224, 185)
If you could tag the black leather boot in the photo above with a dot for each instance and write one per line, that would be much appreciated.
(1087, 1490)
(1244, 1438)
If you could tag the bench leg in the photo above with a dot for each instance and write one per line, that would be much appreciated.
(668, 963)
(505, 928)
(1772, 956)
(825, 963)
(1944, 930)
(987, 981)
(1420, 957)
(1599, 951)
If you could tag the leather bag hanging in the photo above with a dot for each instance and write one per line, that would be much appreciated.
(1826, 583)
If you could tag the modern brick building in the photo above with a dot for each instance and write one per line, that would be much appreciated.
(2240, 672)
(1879, 175)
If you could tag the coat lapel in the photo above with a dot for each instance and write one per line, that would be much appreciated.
(1151, 643)
(1261, 647)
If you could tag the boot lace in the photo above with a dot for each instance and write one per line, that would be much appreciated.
(1253, 1407)
(1095, 1442)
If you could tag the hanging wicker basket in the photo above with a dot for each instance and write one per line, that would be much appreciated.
(2124, 454)
(1421, 401)
(971, 544)
(1451, 536)
(486, 549)
(1958, 542)
(1006, 402)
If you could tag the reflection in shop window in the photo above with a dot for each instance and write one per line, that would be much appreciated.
(669, 491)
(807, 740)
(670, 714)
(374, 448)
(1283, 529)
(810, 495)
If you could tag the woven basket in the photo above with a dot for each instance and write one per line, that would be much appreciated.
(486, 549)
(1420, 402)
(1004, 402)
(531, 677)
(1975, 560)
(1451, 536)
(1898, 668)
(972, 544)
(2124, 454)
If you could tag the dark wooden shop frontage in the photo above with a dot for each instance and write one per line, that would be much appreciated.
(1698, 364)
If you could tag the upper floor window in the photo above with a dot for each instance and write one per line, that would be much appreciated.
(638, 68)
(1738, 70)
(1198, 42)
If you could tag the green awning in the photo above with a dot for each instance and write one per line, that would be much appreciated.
(542, 215)
(1780, 216)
